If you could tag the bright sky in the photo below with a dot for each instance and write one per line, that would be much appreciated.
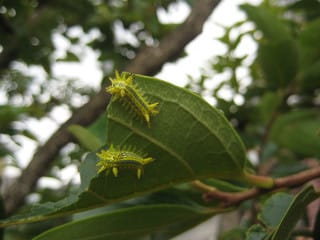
(199, 52)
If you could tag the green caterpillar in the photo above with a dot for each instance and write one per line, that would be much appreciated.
(122, 88)
(115, 158)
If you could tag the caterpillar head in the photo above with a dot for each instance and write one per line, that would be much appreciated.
(119, 84)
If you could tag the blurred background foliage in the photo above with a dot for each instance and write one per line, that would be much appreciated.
(275, 93)
(28, 48)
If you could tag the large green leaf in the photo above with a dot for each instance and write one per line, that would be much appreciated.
(189, 140)
(298, 131)
(131, 223)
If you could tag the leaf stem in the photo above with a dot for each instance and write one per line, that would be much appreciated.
(259, 181)
(235, 198)
(202, 186)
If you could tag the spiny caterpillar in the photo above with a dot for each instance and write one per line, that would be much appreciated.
(115, 158)
(122, 88)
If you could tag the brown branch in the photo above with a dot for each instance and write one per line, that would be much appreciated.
(148, 61)
(297, 179)
(233, 199)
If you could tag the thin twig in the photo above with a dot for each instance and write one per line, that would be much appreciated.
(229, 199)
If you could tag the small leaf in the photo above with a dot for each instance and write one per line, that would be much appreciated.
(294, 212)
(130, 223)
(87, 139)
(280, 213)
(88, 170)
(297, 130)
(274, 208)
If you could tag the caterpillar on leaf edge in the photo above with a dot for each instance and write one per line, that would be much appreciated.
(123, 88)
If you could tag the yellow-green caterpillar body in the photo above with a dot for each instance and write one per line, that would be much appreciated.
(115, 158)
(122, 88)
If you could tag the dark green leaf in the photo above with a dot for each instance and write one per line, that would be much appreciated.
(310, 9)
(274, 208)
(187, 138)
(309, 40)
(280, 213)
(310, 77)
(294, 212)
(130, 223)
(279, 62)
(298, 131)
(310, 54)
